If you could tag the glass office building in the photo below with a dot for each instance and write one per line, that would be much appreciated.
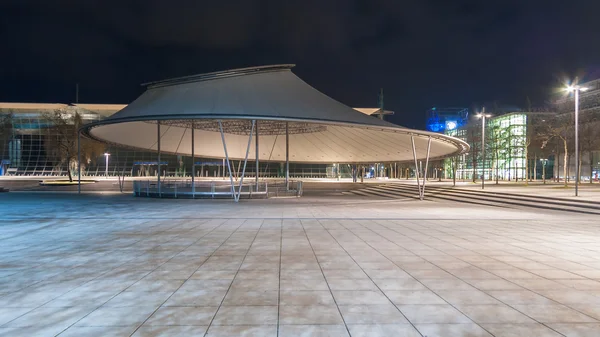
(25, 133)
(505, 150)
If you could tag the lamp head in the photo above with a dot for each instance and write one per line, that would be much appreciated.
(571, 88)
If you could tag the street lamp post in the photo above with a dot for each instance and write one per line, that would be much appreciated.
(576, 89)
(106, 155)
(544, 169)
(483, 115)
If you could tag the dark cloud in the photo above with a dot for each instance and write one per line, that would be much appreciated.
(424, 53)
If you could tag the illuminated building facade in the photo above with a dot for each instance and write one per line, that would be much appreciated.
(24, 135)
(446, 119)
(505, 151)
(24, 132)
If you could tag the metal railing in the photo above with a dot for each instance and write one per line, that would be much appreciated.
(294, 188)
(200, 189)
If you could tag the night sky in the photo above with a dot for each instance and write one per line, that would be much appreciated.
(423, 53)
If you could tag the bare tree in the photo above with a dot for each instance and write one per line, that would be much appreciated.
(6, 134)
(534, 140)
(495, 148)
(559, 126)
(61, 141)
(473, 136)
(6, 120)
(528, 137)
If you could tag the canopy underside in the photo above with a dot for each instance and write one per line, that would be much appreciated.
(322, 144)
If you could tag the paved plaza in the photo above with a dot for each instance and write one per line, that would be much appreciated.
(114, 265)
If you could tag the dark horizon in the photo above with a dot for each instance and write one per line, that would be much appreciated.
(433, 53)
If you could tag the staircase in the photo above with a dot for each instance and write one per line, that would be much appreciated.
(488, 198)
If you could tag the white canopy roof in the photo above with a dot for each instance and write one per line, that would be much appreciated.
(321, 130)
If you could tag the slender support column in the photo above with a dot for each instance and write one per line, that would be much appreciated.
(577, 173)
(193, 165)
(412, 140)
(78, 161)
(426, 164)
(287, 154)
(227, 159)
(158, 164)
(245, 162)
(257, 154)
(237, 172)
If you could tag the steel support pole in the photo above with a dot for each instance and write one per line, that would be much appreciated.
(227, 159)
(287, 155)
(412, 140)
(576, 142)
(426, 164)
(245, 162)
(483, 151)
(193, 165)
(158, 164)
(78, 161)
(257, 154)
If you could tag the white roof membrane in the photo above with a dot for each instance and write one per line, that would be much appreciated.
(272, 93)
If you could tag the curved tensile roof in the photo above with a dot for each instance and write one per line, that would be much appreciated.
(321, 129)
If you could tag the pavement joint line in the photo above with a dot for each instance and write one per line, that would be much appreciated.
(96, 278)
(190, 245)
(511, 306)
(323, 274)
(279, 279)
(236, 272)
(370, 278)
(452, 305)
(150, 272)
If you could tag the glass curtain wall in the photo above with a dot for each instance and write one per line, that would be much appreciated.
(505, 142)
(24, 134)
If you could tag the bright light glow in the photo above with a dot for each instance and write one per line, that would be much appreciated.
(571, 88)
(451, 125)
(107, 154)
